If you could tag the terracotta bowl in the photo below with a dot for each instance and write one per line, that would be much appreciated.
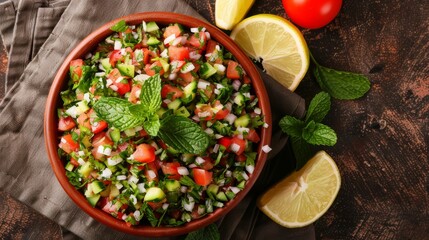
(52, 135)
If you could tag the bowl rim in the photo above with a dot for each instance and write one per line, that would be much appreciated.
(51, 133)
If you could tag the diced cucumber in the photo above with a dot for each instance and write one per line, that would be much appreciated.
(115, 135)
(172, 185)
(212, 190)
(86, 169)
(130, 132)
(82, 107)
(161, 112)
(86, 141)
(207, 70)
(188, 158)
(209, 205)
(153, 41)
(174, 105)
(164, 64)
(222, 128)
(105, 62)
(182, 111)
(241, 185)
(151, 27)
(97, 187)
(173, 196)
(189, 92)
(69, 167)
(242, 121)
(172, 151)
(114, 191)
(93, 200)
(126, 69)
(163, 155)
(221, 196)
(154, 194)
(230, 194)
(239, 99)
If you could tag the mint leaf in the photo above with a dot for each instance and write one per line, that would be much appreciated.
(292, 126)
(319, 107)
(116, 112)
(121, 26)
(302, 151)
(208, 233)
(150, 95)
(319, 134)
(183, 135)
(340, 84)
(152, 125)
(139, 111)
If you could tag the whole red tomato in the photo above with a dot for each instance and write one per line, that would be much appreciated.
(312, 13)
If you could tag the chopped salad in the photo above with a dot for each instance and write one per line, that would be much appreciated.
(159, 124)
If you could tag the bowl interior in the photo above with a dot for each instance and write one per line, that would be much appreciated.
(52, 134)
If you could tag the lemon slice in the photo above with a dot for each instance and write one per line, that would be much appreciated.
(229, 12)
(278, 44)
(301, 198)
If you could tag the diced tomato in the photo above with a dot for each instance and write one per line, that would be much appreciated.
(155, 205)
(143, 133)
(76, 69)
(221, 114)
(146, 56)
(175, 213)
(208, 163)
(232, 71)
(195, 214)
(173, 29)
(135, 93)
(171, 92)
(114, 57)
(178, 65)
(211, 51)
(127, 31)
(74, 162)
(150, 69)
(178, 53)
(83, 120)
(144, 153)
(98, 126)
(162, 144)
(241, 143)
(170, 169)
(68, 144)
(241, 158)
(186, 78)
(79, 95)
(123, 86)
(114, 74)
(202, 177)
(66, 124)
(253, 136)
(109, 207)
(204, 112)
(199, 42)
(225, 141)
(101, 139)
(151, 166)
(246, 79)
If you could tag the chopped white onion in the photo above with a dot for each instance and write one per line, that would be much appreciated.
(228, 106)
(137, 93)
(187, 68)
(195, 118)
(176, 41)
(141, 188)
(209, 131)
(81, 153)
(190, 205)
(236, 85)
(220, 67)
(137, 215)
(124, 217)
(135, 35)
(218, 136)
(207, 35)
(151, 174)
(119, 185)
(141, 77)
(235, 147)
(199, 160)
(172, 76)
(243, 130)
(100, 149)
(121, 177)
(164, 53)
(266, 149)
(194, 30)
(230, 118)
(114, 88)
(250, 168)
(228, 173)
(257, 111)
(167, 101)
(109, 82)
(265, 125)
(183, 170)
(194, 55)
(109, 40)
(244, 175)
(219, 86)
(169, 39)
(216, 148)
(133, 199)
(203, 114)
(235, 190)
(118, 45)
(133, 179)
(203, 84)
(115, 160)
(123, 51)
(208, 55)
(81, 161)
(192, 165)
(63, 140)
(216, 91)
(165, 206)
(100, 74)
(183, 189)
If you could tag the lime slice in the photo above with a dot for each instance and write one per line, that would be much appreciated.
(304, 196)
(229, 12)
(278, 44)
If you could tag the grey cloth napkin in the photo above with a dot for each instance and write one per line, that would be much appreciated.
(25, 172)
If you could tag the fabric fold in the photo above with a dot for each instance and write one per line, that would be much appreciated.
(25, 171)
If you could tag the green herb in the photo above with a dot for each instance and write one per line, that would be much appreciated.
(178, 132)
(74, 179)
(310, 131)
(340, 84)
(211, 232)
(150, 215)
(121, 26)
(183, 135)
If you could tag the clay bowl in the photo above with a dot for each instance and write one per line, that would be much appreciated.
(52, 135)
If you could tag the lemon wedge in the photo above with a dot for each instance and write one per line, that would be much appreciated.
(278, 44)
(301, 198)
(229, 12)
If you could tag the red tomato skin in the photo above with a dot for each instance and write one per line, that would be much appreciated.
(114, 57)
(170, 169)
(178, 53)
(170, 30)
(221, 114)
(101, 139)
(171, 91)
(202, 177)
(312, 14)
(144, 153)
(76, 69)
(225, 141)
(151, 166)
(240, 142)
(83, 120)
(199, 42)
(231, 71)
(253, 136)
(66, 124)
(69, 145)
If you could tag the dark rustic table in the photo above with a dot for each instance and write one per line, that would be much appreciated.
(382, 151)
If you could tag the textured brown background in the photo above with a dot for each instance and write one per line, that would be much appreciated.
(382, 151)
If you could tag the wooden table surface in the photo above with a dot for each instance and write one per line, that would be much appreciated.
(382, 149)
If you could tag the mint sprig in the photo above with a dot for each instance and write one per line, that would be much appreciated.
(340, 84)
(309, 132)
(210, 232)
(120, 26)
(178, 132)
